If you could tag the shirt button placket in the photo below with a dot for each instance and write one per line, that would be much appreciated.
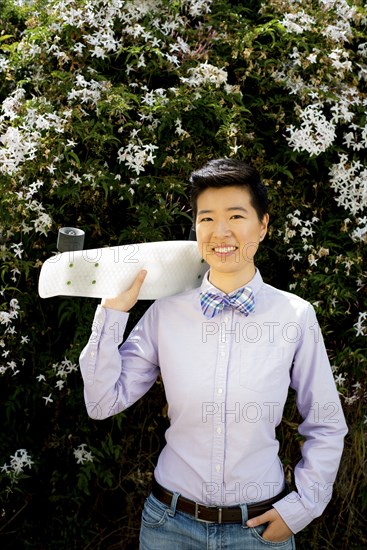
(220, 390)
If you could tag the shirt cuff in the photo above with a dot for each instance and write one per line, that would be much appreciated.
(293, 512)
(111, 321)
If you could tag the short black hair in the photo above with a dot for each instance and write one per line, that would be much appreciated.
(229, 172)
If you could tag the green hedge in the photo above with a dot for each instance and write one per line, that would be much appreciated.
(107, 106)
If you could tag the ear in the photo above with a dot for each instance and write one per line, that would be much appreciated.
(264, 226)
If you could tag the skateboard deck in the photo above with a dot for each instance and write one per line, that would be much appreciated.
(172, 266)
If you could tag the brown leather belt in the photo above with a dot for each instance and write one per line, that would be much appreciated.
(214, 514)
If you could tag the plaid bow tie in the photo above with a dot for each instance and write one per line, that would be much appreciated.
(212, 303)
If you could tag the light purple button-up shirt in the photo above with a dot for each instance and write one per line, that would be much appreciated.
(226, 381)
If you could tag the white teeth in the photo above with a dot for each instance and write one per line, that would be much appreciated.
(224, 249)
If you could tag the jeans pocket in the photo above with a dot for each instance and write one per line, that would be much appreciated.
(154, 513)
(284, 545)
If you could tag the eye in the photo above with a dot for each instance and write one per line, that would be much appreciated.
(237, 217)
(205, 220)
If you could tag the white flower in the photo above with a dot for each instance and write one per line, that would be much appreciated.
(14, 304)
(18, 147)
(205, 74)
(99, 52)
(64, 368)
(4, 63)
(337, 61)
(307, 232)
(6, 317)
(349, 180)
(315, 134)
(15, 271)
(18, 249)
(48, 399)
(234, 149)
(136, 157)
(198, 7)
(60, 384)
(20, 460)
(312, 260)
(12, 104)
(340, 379)
(78, 48)
(172, 59)
(87, 91)
(179, 130)
(297, 22)
(12, 365)
(312, 58)
(70, 143)
(43, 223)
(361, 325)
(141, 62)
(82, 455)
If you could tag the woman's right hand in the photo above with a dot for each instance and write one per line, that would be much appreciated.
(128, 298)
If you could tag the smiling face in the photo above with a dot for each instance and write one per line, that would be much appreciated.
(228, 232)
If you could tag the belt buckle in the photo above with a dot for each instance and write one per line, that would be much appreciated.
(197, 512)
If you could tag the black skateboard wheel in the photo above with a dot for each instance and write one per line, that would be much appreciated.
(70, 238)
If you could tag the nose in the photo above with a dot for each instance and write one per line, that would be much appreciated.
(221, 229)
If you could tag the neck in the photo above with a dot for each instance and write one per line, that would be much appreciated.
(228, 282)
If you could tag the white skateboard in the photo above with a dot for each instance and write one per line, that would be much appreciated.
(172, 266)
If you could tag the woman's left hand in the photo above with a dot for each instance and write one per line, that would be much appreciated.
(276, 531)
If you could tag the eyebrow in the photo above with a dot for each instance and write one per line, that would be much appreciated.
(241, 208)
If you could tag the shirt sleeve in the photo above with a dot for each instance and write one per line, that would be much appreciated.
(323, 428)
(117, 376)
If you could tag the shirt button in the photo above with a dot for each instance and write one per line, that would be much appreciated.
(92, 353)
(220, 390)
(219, 430)
(226, 319)
(217, 467)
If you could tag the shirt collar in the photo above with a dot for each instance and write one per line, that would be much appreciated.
(255, 284)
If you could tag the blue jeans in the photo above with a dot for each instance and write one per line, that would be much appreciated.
(165, 528)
